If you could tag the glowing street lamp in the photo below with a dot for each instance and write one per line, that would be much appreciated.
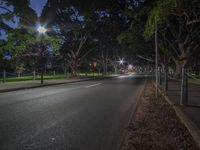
(130, 66)
(42, 30)
(121, 62)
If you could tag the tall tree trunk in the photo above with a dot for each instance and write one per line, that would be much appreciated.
(179, 64)
(104, 69)
(74, 69)
(166, 69)
(116, 70)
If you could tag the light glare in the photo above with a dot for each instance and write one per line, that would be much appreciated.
(130, 66)
(121, 61)
(42, 30)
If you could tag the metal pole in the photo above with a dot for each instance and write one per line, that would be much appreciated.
(160, 76)
(156, 52)
(165, 79)
(54, 74)
(4, 76)
(65, 71)
(106, 61)
(42, 63)
(34, 75)
(184, 88)
(65, 66)
(42, 76)
(93, 72)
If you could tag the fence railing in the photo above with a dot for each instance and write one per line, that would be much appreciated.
(34, 75)
(186, 78)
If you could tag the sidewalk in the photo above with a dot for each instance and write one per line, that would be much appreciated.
(13, 86)
(193, 108)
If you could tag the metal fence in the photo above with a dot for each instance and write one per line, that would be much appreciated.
(33, 75)
(187, 78)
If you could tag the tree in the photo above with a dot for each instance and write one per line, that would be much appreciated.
(13, 9)
(24, 45)
(102, 21)
(132, 39)
(77, 45)
(16, 11)
(179, 27)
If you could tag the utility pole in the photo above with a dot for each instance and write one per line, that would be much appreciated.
(106, 61)
(42, 64)
(156, 56)
(166, 78)
(42, 31)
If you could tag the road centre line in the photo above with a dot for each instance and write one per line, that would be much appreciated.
(93, 85)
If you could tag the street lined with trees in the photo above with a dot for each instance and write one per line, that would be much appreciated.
(77, 33)
(76, 37)
(108, 61)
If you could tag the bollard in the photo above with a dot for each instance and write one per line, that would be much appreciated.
(184, 87)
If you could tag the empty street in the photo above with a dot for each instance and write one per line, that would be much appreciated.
(88, 115)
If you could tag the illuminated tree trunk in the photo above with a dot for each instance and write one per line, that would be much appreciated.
(179, 64)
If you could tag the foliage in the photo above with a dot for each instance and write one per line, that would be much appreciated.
(178, 29)
(132, 38)
(164, 8)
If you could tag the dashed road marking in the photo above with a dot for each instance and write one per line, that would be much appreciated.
(93, 85)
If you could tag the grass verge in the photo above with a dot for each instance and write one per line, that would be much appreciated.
(47, 77)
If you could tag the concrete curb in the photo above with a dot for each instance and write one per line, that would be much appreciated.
(134, 108)
(52, 84)
(189, 124)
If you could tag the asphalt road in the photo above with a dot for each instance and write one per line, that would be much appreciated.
(81, 116)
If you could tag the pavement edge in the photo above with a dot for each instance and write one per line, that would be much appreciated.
(52, 84)
(189, 124)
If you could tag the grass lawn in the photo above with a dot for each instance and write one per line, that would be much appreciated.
(196, 81)
(47, 77)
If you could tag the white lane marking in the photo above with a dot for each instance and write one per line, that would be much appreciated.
(93, 85)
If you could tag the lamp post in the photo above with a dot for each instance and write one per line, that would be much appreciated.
(42, 31)
(121, 65)
(130, 68)
(156, 55)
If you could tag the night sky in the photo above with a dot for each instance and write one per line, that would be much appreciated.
(36, 5)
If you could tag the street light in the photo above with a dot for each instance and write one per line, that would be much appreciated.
(121, 62)
(42, 30)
